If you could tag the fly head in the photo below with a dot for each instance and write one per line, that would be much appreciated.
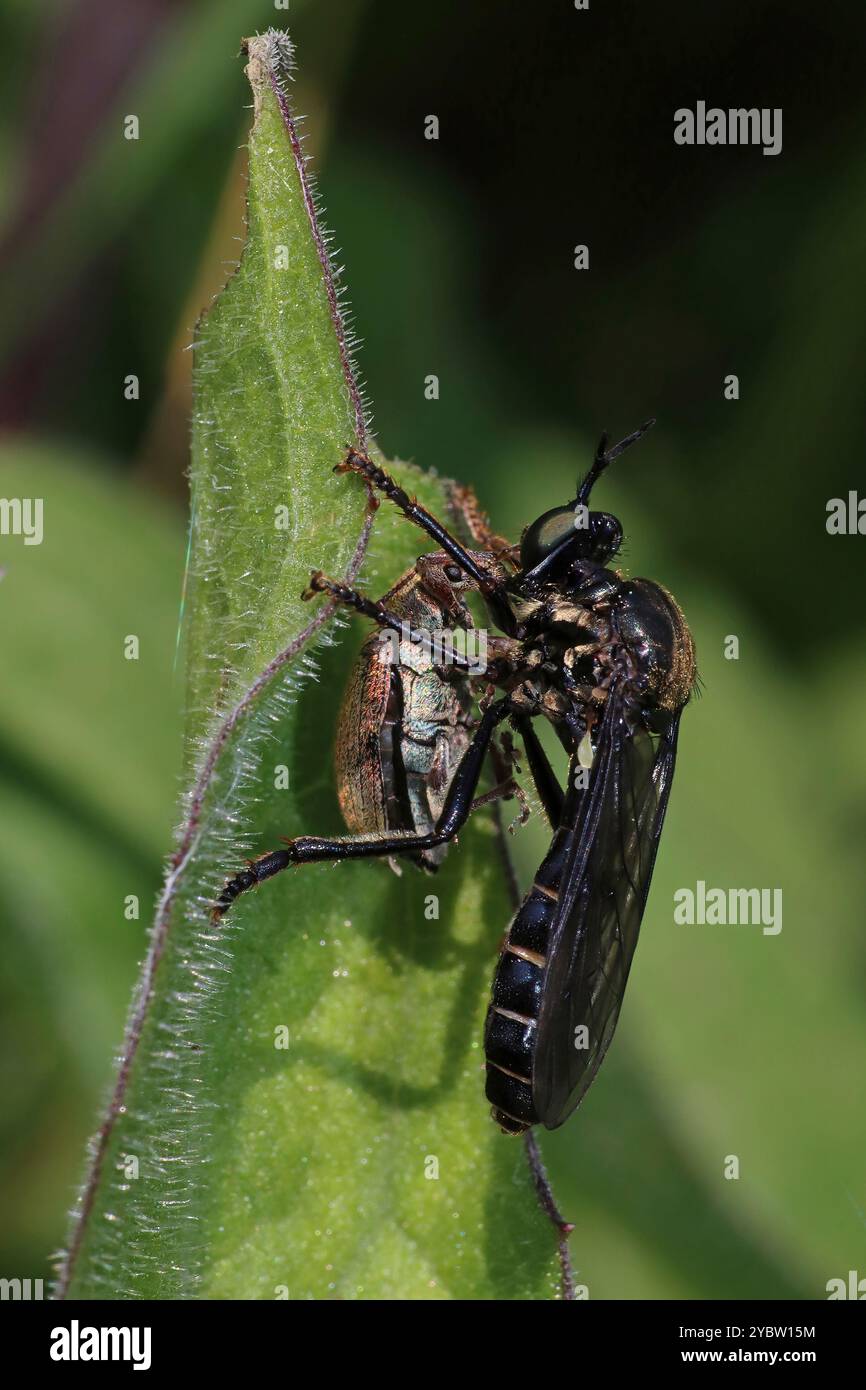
(568, 545)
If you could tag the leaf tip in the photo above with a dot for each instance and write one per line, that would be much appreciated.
(270, 64)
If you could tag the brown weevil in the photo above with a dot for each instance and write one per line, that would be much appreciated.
(407, 715)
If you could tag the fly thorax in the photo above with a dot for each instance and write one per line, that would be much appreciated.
(525, 610)
(586, 669)
(528, 696)
(657, 644)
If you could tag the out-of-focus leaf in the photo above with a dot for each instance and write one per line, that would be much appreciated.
(79, 713)
(170, 97)
(89, 752)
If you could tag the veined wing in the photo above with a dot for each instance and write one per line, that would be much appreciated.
(601, 903)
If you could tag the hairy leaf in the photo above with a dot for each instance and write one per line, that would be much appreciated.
(299, 1111)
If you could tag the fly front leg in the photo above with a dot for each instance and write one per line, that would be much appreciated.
(388, 621)
(310, 849)
(493, 589)
(352, 598)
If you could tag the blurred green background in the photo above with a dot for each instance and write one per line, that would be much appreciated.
(555, 129)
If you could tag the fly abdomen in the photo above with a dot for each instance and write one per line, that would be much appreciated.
(509, 1036)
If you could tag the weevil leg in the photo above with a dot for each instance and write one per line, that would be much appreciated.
(509, 790)
(310, 849)
(475, 519)
(503, 756)
(492, 589)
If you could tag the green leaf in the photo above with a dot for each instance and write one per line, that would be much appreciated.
(230, 1167)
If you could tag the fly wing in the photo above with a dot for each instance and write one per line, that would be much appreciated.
(602, 898)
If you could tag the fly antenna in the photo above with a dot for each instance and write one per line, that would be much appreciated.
(605, 456)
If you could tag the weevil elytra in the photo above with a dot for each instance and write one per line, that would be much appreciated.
(610, 662)
(408, 712)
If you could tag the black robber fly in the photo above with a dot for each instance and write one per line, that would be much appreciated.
(610, 663)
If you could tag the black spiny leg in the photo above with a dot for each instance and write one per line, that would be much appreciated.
(351, 598)
(309, 849)
(492, 589)
(543, 775)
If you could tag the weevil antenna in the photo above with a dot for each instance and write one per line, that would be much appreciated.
(604, 457)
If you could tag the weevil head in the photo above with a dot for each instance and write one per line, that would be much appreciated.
(564, 539)
(446, 584)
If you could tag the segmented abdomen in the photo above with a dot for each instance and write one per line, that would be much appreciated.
(509, 1034)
